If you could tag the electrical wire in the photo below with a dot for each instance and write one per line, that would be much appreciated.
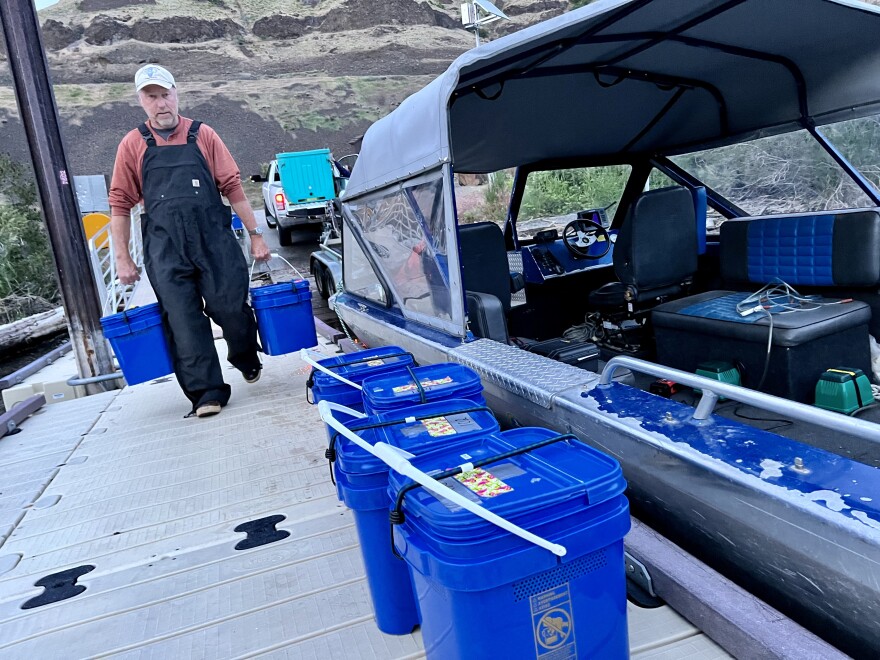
(590, 330)
(783, 423)
(864, 409)
(779, 297)
(769, 349)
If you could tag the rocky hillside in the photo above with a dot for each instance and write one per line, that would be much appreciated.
(269, 75)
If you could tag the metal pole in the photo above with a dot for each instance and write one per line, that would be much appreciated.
(861, 180)
(39, 114)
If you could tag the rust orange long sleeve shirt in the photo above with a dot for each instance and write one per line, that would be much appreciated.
(126, 186)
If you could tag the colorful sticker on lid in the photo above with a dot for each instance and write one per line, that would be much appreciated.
(438, 426)
(441, 426)
(409, 387)
(483, 483)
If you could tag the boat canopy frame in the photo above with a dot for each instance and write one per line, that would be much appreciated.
(720, 72)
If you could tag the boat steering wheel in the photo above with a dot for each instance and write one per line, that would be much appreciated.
(580, 235)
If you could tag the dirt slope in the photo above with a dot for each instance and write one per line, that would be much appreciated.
(269, 75)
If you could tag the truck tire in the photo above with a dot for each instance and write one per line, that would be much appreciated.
(284, 235)
(331, 285)
(270, 219)
(322, 280)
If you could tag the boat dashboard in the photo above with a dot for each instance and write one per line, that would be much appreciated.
(543, 261)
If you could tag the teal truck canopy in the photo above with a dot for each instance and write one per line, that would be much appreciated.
(307, 176)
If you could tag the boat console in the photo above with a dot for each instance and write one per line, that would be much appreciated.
(548, 260)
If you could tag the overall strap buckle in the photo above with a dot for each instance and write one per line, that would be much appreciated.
(147, 135)
(193, 132)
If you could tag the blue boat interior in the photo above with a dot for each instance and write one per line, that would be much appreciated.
(668, 291)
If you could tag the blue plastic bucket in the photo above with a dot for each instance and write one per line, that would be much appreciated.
(436, 382)
(415, 429)
(482, 587)
(394, 603)
(139, 343)
(355, 367)
(284, 317)
(362, 483)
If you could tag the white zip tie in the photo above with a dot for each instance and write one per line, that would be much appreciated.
(304, 356)
(345, 410)
(396, 460)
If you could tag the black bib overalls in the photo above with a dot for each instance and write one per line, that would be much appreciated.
(196, 267)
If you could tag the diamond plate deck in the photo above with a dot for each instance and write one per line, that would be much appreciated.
(515, 263)
(534, 377)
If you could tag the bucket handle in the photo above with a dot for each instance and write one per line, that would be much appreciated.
(330, 452)
(423, 398)
(397, 461)
(305, 357)
(274, 255)
(396, 516)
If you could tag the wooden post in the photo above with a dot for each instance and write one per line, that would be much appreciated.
(39, 114)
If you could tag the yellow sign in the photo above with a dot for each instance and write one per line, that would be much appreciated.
(97, 224)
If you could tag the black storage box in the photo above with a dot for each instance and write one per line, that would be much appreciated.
(805, 343)
(581, 354)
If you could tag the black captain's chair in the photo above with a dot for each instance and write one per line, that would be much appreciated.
(655, 254)
(488, 281)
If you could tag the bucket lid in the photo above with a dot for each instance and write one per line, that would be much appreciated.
(144, 312)
(285, 299)
(294, 286)
(133, 314)
(527, 489)
(446, 380)
(418, 429)
(131, 320)
(362, 364)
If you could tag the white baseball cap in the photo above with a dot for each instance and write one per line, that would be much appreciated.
(153, 74)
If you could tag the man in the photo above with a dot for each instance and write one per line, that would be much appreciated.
(180, 168)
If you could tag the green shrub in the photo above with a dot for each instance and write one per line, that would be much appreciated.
(26, 266)
(559, 192)
(498, 196)
(551, 193)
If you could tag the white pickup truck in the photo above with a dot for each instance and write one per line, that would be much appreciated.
(287, 217)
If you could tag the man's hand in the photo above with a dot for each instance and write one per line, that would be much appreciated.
(127, 271)
(259, 249)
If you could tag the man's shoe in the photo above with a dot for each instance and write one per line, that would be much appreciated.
(253, 375)
(208, 408)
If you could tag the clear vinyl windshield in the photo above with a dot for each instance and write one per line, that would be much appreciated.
(406, 232)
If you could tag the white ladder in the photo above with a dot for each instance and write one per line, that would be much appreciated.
(113, 295)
